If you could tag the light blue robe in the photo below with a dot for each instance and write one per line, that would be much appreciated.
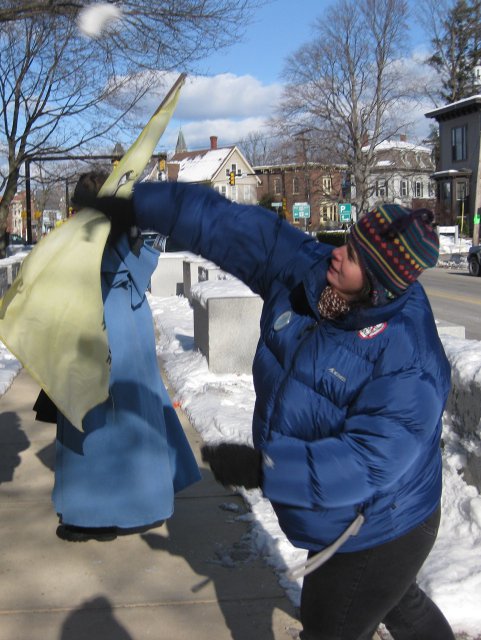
(133, 456)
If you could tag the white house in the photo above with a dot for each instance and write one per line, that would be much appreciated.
(225, 169)
(16, 214)
(402, 175)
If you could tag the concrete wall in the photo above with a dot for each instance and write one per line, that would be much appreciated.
(13, 271)
(210, 271)
(191, 274)
(464, 403)
(8, 273)
(226, 325)
(168, 277)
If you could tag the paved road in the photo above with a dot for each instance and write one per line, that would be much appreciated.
(455, 296)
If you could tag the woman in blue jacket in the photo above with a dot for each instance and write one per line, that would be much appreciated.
(351, 381)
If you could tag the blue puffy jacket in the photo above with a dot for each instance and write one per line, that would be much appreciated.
(348, 412)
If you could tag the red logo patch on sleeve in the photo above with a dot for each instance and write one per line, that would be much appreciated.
(368, 333)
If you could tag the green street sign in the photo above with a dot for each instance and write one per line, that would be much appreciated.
(301, 210)
(476, 219)
(345, 212)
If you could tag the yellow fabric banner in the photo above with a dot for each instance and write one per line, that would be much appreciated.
(51, 318)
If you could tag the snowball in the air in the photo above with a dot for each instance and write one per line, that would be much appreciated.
(94, 18)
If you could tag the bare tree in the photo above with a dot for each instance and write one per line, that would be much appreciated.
(266, 147)
(256, 147)
(346, 86)
(60, 91)
(11, 10)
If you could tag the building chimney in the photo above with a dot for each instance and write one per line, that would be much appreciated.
(213, 143)
(403, 137)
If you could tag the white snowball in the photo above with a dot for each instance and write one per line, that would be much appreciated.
(94, 18)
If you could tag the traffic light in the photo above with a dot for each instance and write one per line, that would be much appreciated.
(232, 177)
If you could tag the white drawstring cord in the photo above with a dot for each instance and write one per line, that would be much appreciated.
(323, 556)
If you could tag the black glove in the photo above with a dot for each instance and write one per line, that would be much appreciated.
(234, 464)
(45, 409)
(120, 212)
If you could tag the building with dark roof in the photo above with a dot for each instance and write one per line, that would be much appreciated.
(458, 173)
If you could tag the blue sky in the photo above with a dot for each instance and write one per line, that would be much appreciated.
(278, 29)
(237, 89)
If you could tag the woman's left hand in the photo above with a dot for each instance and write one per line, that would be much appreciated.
(234, 464)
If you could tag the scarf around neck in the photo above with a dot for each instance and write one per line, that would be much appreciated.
(331, 305)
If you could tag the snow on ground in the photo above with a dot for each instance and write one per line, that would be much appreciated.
(9, 367)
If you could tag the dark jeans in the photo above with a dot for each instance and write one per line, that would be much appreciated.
(352, 593)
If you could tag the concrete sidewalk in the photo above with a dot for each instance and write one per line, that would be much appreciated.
(195, 578)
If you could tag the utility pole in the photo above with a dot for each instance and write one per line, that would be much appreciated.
(28, 203)
(301, 135)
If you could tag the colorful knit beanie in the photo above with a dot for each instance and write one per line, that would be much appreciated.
(394, 245)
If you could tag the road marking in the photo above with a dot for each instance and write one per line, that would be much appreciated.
(454, 298)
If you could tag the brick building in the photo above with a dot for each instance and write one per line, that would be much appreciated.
(316, 184)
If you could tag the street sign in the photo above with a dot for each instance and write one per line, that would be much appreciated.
(276, 205)
(345, 212)
(301, 210)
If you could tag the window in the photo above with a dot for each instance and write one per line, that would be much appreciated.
(295, 185)
(381, 188)
(233, 193)
(403, 188)
(327, 212)
(327, 184)
(431, 189)
(418, 189)
(223, 190)
(277, 186)
(446, 193)
(459, 141)
(234, 169)
(247, 193)
(460, 190)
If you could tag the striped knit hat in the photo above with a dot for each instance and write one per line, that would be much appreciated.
(395, 245)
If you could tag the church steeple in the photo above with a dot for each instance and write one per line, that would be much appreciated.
(180, 147)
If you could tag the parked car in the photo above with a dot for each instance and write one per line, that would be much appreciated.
(474, 260)
(163, 244)
(149, 237)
